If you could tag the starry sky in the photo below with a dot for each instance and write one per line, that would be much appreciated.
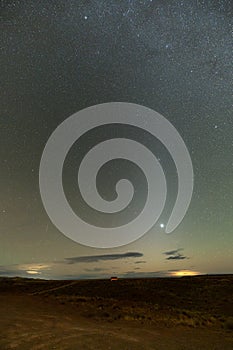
(59, 57)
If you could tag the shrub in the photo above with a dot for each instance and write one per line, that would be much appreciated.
(229, 324)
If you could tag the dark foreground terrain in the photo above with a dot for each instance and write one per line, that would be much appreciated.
(162, 313)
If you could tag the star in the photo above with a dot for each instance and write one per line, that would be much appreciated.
(172, 57)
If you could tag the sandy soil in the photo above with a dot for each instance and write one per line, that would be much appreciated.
(46, 322)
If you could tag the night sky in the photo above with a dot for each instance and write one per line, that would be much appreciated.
(59, 57)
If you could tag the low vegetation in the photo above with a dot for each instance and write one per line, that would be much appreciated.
(200, 301)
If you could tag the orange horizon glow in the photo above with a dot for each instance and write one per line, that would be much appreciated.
(185, 273)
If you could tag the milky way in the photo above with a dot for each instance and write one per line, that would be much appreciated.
(172, 56)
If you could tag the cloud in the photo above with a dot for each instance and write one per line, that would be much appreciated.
(19, 273)
(63, 269)
(146, 274)
(140, 262)
(8, 273)
(95, 273)
(25, 270)
(173, 252)
(96, 258)
(175, 255)
(96, 269)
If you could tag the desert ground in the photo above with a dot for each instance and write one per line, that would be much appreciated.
(160, 313)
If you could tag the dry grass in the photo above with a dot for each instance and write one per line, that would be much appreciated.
(196, 302)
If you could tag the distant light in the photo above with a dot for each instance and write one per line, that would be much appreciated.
(182, 273)
(162, 225)
(32, 272)
(85, 17)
